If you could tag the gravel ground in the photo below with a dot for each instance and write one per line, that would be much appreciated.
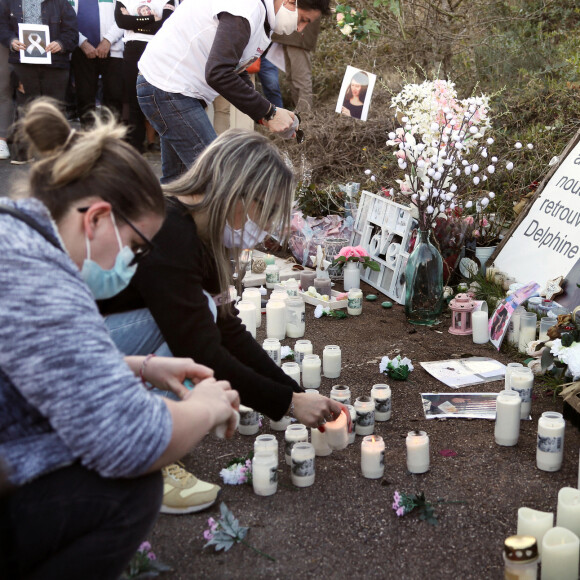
(343, 526)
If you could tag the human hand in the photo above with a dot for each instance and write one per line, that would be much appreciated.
(345, 111)
(89, 50)
(124, 11)
(314, 410)
(16, 45)
(169, 373)
(220, 401)
(54, 47)
(102, 51)
(281, 121)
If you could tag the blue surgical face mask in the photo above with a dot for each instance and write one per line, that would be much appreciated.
(107, 283)
(249, 237)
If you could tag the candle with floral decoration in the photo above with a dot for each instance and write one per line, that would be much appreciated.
(272, 276)
(355, 299)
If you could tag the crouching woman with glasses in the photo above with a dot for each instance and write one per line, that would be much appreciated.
(81, 440)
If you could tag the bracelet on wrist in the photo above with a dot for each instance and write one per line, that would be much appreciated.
(270, 114)
(142, 371)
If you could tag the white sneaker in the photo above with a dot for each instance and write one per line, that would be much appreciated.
(4, 151)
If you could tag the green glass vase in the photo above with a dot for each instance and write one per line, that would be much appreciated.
(424, 282)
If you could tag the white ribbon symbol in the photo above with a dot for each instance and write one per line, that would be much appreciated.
(34, 40)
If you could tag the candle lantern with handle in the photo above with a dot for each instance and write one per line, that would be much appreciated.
(461, 307)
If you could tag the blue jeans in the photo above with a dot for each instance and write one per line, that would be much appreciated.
(268, 75)
(182, 124)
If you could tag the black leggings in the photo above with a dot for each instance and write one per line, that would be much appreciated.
(133, 51)
(73, 524)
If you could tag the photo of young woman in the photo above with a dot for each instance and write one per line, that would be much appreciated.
(355, 93)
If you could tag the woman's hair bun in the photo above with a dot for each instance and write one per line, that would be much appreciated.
(44, 126)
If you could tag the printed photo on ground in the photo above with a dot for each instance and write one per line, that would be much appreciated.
(355, 95)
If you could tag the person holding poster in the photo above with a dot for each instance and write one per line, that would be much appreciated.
(36, 80)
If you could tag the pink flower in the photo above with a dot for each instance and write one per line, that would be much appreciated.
(152, 556)
(401, 154)
(145, 547)
(401, 511)
(213, 525)
(468, 220)
(340, 17)
(484, 223)
(208, 535)
(476, 233)
(360, 251)
(347, 252)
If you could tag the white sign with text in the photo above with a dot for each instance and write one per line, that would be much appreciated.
(546, 244)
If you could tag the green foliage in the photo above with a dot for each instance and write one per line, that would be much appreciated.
(487, 290)
(319, 202)
(229, 531)
(355, 25)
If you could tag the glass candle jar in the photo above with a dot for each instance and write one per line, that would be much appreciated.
(520, 557)
(273, 348)
(302, 462)
(311, 375)
(337, 432)
(513, 334)
(365, 415)
(341, 394)
(522, 381)
(550, 446)
(253, 295)
(507, 418)
(354, 305)
(264, 474)
(306, 279)
(301, 348)
(331, 361)
(381, 395)
(320, 443)
(281, 424)
(417, 451)
(293, 434)
(372, 457)
(323, 286)
(266, 444)
(528, 323)
(272, 276)
(249, 421)
(247, 314)
(508, 373)
(292, 287)
(279, 294)
(534, 303)
(352, 434)
(545, 324)
(292, 369)
(295, 318)
(276, 319)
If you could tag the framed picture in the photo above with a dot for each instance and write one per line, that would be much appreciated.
(355, 94)
(36, 38)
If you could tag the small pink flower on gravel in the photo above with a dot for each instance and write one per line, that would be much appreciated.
(448, 453)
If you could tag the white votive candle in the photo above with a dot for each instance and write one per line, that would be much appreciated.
(273, 348)
(311, 371)
(534, 523)
(253, 295)
(279, 294)
(522, 381)
(560, 555)
(417, 451)
(352, 434)
(341, 394)
(528, 323)
(295, 318)
(568, 515)
(276, 319)
(507, 418)
(337, 432)
(550, 446)
(354, 304)
(272, 276)
(372, 456)
(508, 373)
(292, 369)
(292, 287)
(281, 424)
(513, 333)
(249, 421)
(247, 314)
(266, 444)
(320, 443)
(293, 434)
(479, 323)
(331, 361)
(381, 395)
(365, 415)
(264, 474)
(301, 349)
(302, 462)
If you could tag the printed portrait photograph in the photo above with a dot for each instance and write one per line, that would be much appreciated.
(355, 94)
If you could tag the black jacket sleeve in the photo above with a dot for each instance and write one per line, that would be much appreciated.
(232, 36)
(69, 28)
(142, 24)
(170, 283)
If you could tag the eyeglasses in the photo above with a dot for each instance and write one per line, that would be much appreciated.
(141, 251)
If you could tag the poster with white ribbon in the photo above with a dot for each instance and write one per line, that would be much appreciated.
(36, 38)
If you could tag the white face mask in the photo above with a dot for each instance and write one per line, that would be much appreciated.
(249, 237)
(286, 20)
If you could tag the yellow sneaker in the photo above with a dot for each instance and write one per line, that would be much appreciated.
(183, 493)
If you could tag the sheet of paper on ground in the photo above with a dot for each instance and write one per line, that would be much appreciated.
(464, 406)
(456, 373)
